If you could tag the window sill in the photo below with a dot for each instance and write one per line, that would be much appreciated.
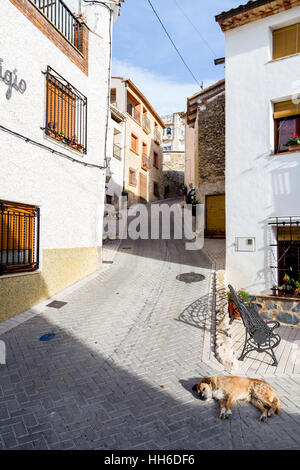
(146, 131)
(134, 151)
(132, 185)
(61, 144)
(282, 58)
(280, 154)
(28, 273)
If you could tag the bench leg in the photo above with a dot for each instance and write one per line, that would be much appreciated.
(248, 349)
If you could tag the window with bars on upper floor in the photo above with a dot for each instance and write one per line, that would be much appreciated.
(66, 112)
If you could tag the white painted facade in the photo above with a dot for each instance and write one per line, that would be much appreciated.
(259, 185)
(116, 144)
(69, 194)
(174, 132)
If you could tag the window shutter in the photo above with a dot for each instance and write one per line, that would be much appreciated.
(286, 41)
(286, 109)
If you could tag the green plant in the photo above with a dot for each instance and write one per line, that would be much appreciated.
(62, 133)
(295, 140)
(242, 295)
(74, 138)
(291, 285)
(51, 125)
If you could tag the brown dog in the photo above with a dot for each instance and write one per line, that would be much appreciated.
(229, 389)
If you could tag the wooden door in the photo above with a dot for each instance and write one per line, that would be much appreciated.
(215, 216)
(143, 188)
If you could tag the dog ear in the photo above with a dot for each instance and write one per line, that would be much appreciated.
(195, 388)
(206, 380)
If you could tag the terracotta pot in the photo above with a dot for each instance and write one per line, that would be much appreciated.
(233, 310)
(294, 148)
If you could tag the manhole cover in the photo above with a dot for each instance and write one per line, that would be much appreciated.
(188, 278)
(57, 304)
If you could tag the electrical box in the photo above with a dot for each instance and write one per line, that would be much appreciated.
(245, 244)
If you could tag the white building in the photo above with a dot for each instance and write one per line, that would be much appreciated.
(262, 175)
(174, 132)
(54, 95)
(116, 144)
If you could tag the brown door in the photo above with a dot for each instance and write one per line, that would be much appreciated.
(143, 187)
(215, 216)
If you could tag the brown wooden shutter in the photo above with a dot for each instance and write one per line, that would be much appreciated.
(286, 109)
(61, 109)
(286, 41)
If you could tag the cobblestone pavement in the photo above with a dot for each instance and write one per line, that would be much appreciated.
(128, 347)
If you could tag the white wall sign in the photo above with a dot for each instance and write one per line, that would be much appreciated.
(11, 80)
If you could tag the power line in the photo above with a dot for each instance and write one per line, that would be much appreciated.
(195, 28)
(175, 47)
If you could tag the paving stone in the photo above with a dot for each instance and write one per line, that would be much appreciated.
(119, 338)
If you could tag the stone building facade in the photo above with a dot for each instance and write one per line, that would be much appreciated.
(206, 114)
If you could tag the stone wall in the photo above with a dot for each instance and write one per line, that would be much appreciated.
(210, 156)
(286, 311)
(173, 173)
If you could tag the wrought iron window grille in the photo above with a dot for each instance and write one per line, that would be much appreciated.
(66, 112)
(19, 237)
(286, 248)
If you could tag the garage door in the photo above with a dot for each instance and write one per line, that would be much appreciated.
(143, 187)
(215, 216)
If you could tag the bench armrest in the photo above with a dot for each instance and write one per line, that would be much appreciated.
(276, 324)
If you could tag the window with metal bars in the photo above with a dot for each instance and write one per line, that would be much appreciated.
(286, 248)
(66, 112)
(62, 18)
(19, 237)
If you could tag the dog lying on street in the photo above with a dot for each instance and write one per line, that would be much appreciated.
(229, 389)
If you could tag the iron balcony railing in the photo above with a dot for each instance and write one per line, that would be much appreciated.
(117, 151)
(157, 136)
(62, 18)
(146, 123)
(145, 162)
(132, 110)
(19, 237)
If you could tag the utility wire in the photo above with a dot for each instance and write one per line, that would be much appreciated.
(195, 28)
(175, 47)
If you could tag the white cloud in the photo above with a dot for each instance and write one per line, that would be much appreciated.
(165, 95)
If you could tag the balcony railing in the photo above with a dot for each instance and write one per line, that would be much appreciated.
(145, 162)
(63, 19)
(134, 112)
(117, 151)
(157, 136)
(146, 123)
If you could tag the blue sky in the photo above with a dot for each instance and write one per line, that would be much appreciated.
(142, 51)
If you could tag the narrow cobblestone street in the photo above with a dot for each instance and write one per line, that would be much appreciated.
(128, 347)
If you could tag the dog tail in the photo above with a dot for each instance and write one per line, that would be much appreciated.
(276, 403)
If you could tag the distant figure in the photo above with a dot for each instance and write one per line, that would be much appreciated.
(167, 190)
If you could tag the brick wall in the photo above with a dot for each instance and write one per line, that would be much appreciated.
(55, 36)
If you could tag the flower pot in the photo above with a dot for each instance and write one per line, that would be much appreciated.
(233, 310)
(294, 148)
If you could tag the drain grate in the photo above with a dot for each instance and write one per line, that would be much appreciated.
(188, 278)
(57, 304)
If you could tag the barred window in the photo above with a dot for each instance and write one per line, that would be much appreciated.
(19, 237)
(66, 112)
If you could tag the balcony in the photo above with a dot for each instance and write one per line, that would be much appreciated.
(157, 136)
(117, 152)
(62, 18)
(145, 162)
(132, 110)
(146, 124)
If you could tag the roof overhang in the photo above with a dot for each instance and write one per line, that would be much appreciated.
(252, 11)
(196, 100)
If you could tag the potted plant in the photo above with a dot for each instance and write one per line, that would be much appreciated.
(51, 129)
(73, 142)
(61, 135)
(293, 143)
(243, 295)
(79, 147)
(290, 287)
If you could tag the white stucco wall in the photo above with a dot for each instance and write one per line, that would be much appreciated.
(70, 195)
(258, 185)
(116, 167)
